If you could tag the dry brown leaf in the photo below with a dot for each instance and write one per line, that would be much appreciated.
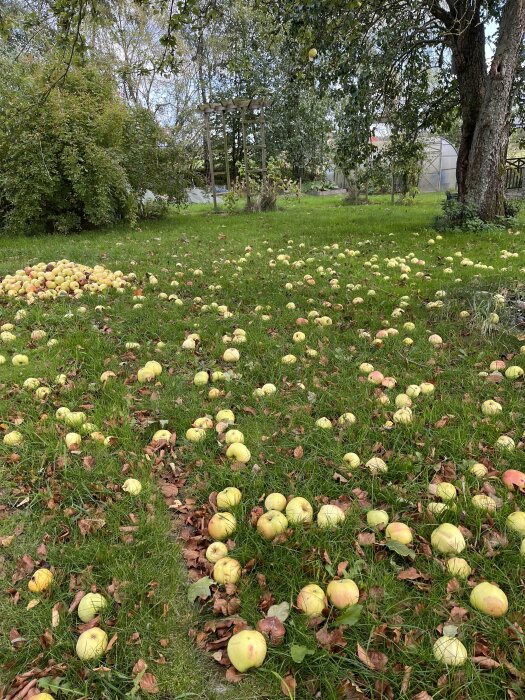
(375, 660)
(148, 684)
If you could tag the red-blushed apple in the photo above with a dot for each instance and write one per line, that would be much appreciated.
(246, 650)
(450, 651)
(489, 599)
(227, 570)
(447, 539)
(222, 525)
(299, 510)
(512, 478)
(311, 600)
(91, 644)
(228, 498)
(271, 524)
(399, 532)
(342, 593)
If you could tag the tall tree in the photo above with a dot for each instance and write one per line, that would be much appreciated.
(447, 37)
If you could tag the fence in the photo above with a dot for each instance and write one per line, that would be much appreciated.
(514, 173)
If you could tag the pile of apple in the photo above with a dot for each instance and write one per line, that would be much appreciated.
(60, 279)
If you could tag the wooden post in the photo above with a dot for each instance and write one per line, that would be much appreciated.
(246, 160)
(210, 159)
(226, 159)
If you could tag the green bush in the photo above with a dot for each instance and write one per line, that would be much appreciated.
(74, 155)
(465, 217)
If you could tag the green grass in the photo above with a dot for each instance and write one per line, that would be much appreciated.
(47, 491)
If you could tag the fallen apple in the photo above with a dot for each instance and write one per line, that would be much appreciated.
(376, 466)
(91, 644)
(132, 486)
(228, 497)
(161, 435)
(225, 416)
(232, 436)
(489, 599)
(216, 551)
(480, 470)
(40, 581)
(446, 491)
(450, 651)
(352, 460)
(246, 650)
(238, 452)
(90, 606)
(73, 441)
(483, 502)
(377, 517)
(154, 367)
(195, 434)
(342, 593)
(311, 600)
(299, 510)
(330, 516)
(458, 566)
(275, 501)
(227, 570)
(399, 532)
(512, 478)
(491, 408)
(13, 438)
(145, 374)
(222, 525)
(201, 378)
(447, 539)
(516, 522)
(271, 524)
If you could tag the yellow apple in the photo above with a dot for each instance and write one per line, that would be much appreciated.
(154, 367)
(216, 551)
(330, 516)
(376, 466)
(324, 423)
(426, 388)
(450, 651)
(90, 605)
(91, 644)
(195, 434)
(231, 355)
(491, 408)
(403, 416)
(247, 649)
(19, 360)
(489, 599)
(161, 435)
(311, 600)
(271, 524)
(145, 374)
(458, 566)
(377, 517)
(399, 532)
(275, 501)
(13, 438)
(352, 460)
(225, 416)
(73, 441)
(227, 570)
(298, 510)
(74, 419)
(42, 696)
(483, 502)
(342, 593)
(40, 581)
(228, 497)
(479, 470)
(516, 522)
(222, 525)
(446, 491)
(232, 436)
(238, 452)
(447, 539)
(132, 486)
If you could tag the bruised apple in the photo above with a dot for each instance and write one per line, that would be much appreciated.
(342, 593)
(247, 649)
(40, 581)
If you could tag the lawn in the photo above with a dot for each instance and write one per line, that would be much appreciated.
(363, 269)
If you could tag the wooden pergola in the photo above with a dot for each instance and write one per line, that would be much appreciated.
(243, 106)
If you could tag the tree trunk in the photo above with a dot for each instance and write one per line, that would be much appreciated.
(486, 165)
(486, 101)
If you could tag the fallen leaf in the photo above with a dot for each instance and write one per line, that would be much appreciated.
(375, 660)
(148, 684)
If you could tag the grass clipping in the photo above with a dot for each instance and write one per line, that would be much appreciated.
(60, 279)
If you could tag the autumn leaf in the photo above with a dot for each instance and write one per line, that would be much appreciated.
(299, 652)
(280, 610)
(375, 660)
(148, 684)
(200, 589)
(350, 616)
(298, 452)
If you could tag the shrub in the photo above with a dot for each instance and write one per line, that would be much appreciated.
(76, 156)
(465, 217)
